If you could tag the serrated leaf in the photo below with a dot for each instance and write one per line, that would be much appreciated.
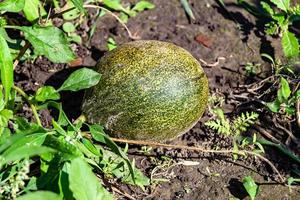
(45, 195)
(50, 42)
(12, 5)
(33, 9)
(290, 44)
(81, 79)
(250, 186)
(47, 93)
(282, 4)
(6, 67)
(143, 5)
(83, 182)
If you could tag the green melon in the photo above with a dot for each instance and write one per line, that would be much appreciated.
(149, 90)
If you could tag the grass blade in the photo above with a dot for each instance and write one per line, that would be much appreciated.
(187, 9)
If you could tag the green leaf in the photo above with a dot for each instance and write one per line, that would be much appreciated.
(46, 93)
(81, 79)
(284, 91)
(72, 14)
(33, 9)
(282, 4)
(97, 132)
(68, 27)
(49, 41)
(274, 106)
(6, 67)
(290, 44)
(12, 5)
(43, 195)
(250, 186)
(111, 44)
(267, 8)
(67, 150)
(24, 152)
(143, 5)
(5, 116)
(91, 147)
(79, 5)
(83, 182)
(114, 4)
(187, 8)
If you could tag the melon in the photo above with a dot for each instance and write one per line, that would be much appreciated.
(149, 90)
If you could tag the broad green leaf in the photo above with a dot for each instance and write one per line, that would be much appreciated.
(81, 79)
(50, 42)
(143, 5)
(24, 152)
(290, 44)
(6, 67)
(42, 195)
(35, 139)
(282, 4)
(47, 93)
(250, 186)
(79, 5)
(64, 182)
(33, 10)
(83, 182)
(284, 91)
(12, 5)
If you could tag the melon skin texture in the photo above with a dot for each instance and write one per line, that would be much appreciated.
(149, 90)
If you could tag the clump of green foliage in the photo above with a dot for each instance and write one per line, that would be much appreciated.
(60, 162)
(279, 20)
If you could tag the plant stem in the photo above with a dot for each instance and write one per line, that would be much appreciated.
(21, 53)
(33, 108)
(226, 151)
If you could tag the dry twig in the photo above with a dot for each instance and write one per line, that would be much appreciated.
(201, 149)
(116, 17)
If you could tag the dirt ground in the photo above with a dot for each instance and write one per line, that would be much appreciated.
(239, 40)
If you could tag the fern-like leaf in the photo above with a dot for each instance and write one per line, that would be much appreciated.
(241, 123)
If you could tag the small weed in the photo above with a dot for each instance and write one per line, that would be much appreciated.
(279, 22)
(250, 186)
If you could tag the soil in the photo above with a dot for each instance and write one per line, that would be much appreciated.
(234, 35)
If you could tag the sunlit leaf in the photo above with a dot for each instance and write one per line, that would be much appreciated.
(84, 184)
(6, 67)
(81, 79)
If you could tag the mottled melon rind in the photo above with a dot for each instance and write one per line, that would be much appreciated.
(149, 90)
